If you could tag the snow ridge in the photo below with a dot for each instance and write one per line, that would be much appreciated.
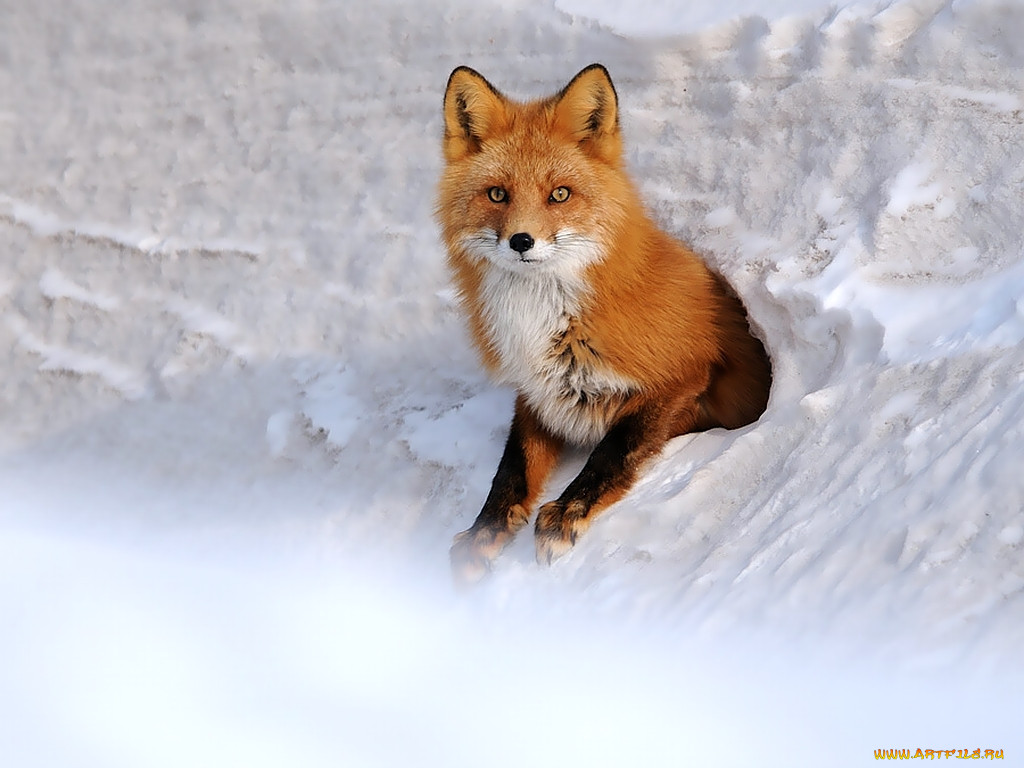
(241, 419)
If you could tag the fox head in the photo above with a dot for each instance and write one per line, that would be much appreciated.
(532, 187)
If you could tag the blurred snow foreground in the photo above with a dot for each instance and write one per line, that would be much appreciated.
(241, 420)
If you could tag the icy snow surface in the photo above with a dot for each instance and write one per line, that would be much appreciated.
(240, 420)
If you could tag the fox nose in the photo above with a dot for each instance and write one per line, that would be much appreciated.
(520, 242)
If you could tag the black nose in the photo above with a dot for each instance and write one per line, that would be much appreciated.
(520, 242)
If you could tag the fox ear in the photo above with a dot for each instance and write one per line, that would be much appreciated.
(588, 110)
(473, 111)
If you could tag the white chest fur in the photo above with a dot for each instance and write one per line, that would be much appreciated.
(528, 318)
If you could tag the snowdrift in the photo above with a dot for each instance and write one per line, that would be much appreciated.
(241, 419)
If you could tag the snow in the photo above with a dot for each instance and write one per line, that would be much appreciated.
(241, 420)
(664, 18)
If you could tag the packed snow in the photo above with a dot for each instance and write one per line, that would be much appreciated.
(241, 419)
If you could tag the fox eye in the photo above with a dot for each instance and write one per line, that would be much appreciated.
(559, 195)
(497, 195)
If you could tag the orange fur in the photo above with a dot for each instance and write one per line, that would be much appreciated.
(615, 334)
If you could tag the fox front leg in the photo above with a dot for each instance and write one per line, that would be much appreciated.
(609, 473)
(530, 455)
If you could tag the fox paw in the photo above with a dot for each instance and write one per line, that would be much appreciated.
(558, 525)
(474, 550)
(471, 556)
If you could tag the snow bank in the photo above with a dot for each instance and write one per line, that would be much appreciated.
(241, 420)
(665, 18)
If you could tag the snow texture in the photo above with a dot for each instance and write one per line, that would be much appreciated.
(240, 419)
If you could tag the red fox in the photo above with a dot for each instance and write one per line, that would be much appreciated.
(615, 335)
